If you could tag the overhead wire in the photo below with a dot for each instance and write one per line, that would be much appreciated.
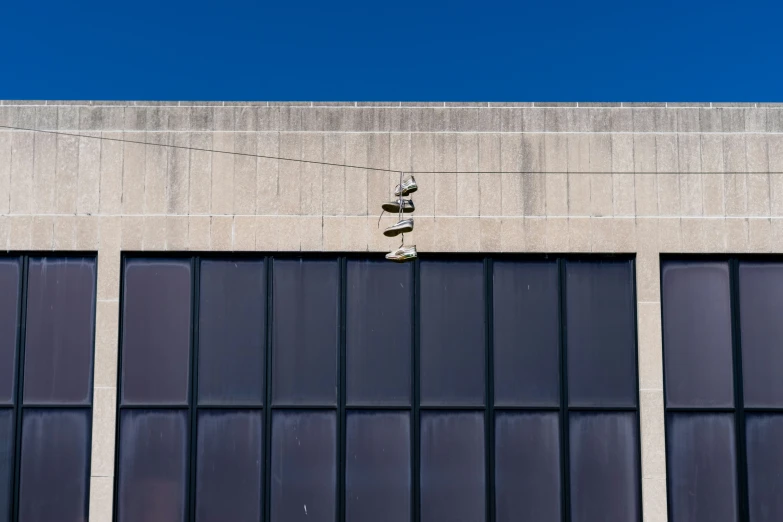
(349, 166)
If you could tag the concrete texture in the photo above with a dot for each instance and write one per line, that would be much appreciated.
(643, 179)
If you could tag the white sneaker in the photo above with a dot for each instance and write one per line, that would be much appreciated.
(393, 207)
(408, 187)
(403, 254)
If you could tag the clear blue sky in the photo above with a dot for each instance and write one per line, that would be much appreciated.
(396, 50)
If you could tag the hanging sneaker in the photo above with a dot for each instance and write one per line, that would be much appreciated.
(402, 254)
(394, 206)
(402, 227)
(409, 186)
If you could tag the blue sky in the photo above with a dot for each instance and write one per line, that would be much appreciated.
(404, 50)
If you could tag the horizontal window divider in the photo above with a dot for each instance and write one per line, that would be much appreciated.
(603, 409)
(526, 408)
(153, 407)
(39, 406)
(383, 407)
(452, 408)
(302, 407)
(692, 409)
(230, 406)
(763, 409)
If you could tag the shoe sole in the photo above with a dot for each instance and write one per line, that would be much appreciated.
(407, 191)
(393, 209)
(392, 232)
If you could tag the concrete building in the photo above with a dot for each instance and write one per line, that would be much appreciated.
(499, 404)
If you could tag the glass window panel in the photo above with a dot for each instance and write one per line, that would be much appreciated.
(697, 334)
(604, 473)
(10, 269)
(765, 462)
(304, 466)
(59, 333)
(378, 333)
(152, 465)
(156, 331)
(232, 336)
(305, 331)
(761, 304)
(527, 467)
(702, 468)
(600, 333)
(526, 333)
(452, 333)
(6, 461)
(378, 467)
(55, 453)
(229, 466)
(452, 467)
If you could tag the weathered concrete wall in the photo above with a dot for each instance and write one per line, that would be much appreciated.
(601, 178)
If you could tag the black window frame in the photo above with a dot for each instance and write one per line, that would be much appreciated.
(562, 409)
(18, 405)
(738, 410)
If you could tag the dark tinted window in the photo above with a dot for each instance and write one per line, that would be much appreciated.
(765, 462)
(452, 333)
(305, 331)
(378, 333)
(6, 461)
(156, 327)
(600, 333)
(59, 333)
(702, 466)
(761, 316)
(604, 467)
(230, 461)
(304, 466)
(10, 270)
(527, 467)
(232, 336)
(54, 471)
(525, 332)
(697, 334)
(452, 467)
(152, 466)
(377, 467)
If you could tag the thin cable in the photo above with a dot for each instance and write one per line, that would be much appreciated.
(246, 154)
(376, 169)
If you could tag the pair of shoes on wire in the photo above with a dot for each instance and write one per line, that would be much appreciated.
(402, 206)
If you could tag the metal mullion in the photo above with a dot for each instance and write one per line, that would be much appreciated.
(564, 433)
(341, 419)
(763, 409)
(193, 393)
(118, 403)
(19, 392)
(637, 409)
(266, 495)
(739, 416)
(415, 397)
(489, 395)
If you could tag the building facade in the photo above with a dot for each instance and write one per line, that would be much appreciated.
(589, 332)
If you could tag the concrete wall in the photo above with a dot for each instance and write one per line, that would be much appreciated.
(643, 179)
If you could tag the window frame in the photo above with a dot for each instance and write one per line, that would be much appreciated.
(738, 411)
(17, 404)
(562, 409)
